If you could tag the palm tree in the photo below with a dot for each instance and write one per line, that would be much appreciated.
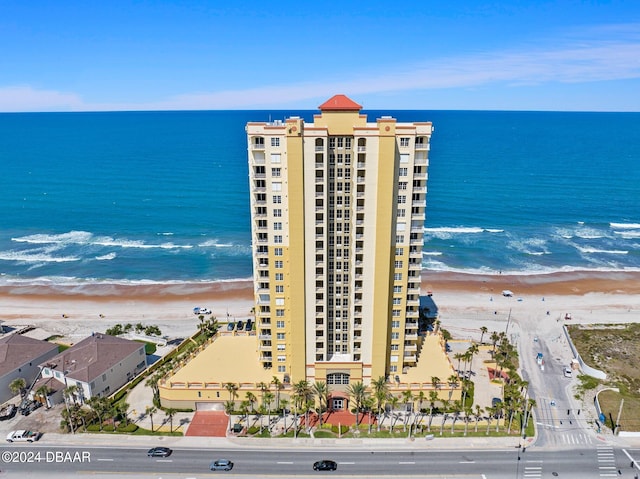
(267, 400)
(252, 400)
(264, 387)
(170, 412)
(69, 396)
(435, 382)
(433, 397)
(99, 405)
(495, 337)
(321, 390)
(150, 411)
(152, 382)
(453, 383)
(471, 352)
(477, 415)
(381, 393)
(244, 409)
(233, 390)
(468, 412)
(407, 398)
(358, 391)
(18, 385)
(279, 387)
(483, 330)
(393, 402)
(458, 357)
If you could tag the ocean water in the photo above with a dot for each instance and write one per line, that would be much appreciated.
(162, 197)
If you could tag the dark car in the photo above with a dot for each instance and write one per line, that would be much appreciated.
(249, 325)
(221, 465)
(231, 326)
(240, 326)
(325, 465)
(159, 452)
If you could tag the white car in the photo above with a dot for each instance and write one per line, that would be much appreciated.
(23, 436)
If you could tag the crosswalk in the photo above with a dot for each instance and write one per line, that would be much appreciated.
(607, 462)
(570, 438)
(532, 469)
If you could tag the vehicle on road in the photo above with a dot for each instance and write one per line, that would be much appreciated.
(221, 465)
(539, 359)
(567, 372)
(23, 436)
(8, 412)
(325, 465)
(159, 452)
(231, 326)
(507, 293)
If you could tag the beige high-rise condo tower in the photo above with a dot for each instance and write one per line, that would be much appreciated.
(337, 213)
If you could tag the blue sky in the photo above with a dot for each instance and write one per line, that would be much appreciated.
(432, 55)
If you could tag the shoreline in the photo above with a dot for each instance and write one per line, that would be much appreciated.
(475, 300)
(575, 282)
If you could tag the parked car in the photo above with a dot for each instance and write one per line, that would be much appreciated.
(231, 326)
(221, 465)
(159, 452)
(8, 412)
(240, 326)
(23, 436)
(325, 465)
(249, 325)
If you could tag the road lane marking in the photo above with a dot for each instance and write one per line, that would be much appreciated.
(406, 462)
(99, 459)
(284, 462)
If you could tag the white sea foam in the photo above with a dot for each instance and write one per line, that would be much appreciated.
(35, 257)
(604, 251)
(214, 243)
(105, 257)
(432, 253)
(628, 234)
(633, 226)
(87, 238)
(460, 229)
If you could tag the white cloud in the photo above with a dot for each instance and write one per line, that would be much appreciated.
(606, 53)
(26, 98)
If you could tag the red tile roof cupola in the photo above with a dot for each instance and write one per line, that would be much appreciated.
(340, 103)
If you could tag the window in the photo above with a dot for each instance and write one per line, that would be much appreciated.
(276, 186)
(347, 143)
(277, 251)
(277, 239)
(340, 142)
(337, 378)
(396, 301)
(281, 347)
(401, 186)
(280, 324)
(394, 347)
(275, 141)
(280, 289)
(277, 212)
(399, 238)
(282, 359)
(279, 264)
(395, 324)
(401, 213)
(280, 301)
(399, 251)
(280, 335)
(397, 289)
(393, 369)
(402, 199)
(395, 335)
(403, 141)
(279, 277)
(275, 172)
(404, 158)
(397, 276)
(394, 358)
(395, 313)
(282, 369)
(277, 199)
(280, 313)
(275, 157)
(397, 264)
(403, 171)
(277, 226)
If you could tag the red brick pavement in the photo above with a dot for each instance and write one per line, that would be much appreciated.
(208, 423)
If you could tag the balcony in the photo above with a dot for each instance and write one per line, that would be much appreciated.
(257, 146)
(410, 359)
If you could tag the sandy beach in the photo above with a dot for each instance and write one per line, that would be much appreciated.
(75, 311)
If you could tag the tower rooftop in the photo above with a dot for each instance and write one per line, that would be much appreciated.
(340, 103)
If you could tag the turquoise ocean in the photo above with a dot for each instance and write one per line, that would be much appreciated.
(163, 197)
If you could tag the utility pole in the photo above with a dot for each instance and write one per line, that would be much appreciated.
(617, 425)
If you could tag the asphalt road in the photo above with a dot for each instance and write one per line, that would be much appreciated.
(47, 462)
